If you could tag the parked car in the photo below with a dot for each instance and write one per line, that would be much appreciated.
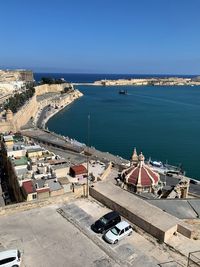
(106, 222)
(10, 258)
(119, 231)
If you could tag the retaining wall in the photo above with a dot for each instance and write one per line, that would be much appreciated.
(151, 219)
(25, 113)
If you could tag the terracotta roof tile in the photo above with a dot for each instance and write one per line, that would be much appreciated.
(79, 169)
(146, 175)
(42, 190)
(28, 187)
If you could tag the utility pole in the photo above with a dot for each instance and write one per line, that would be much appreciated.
(88, 142)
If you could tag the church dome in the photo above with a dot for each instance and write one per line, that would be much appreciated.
(141, 176)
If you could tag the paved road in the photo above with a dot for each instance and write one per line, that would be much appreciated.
(42, 116)
(123, 253)
(73, 145)
(136, 250)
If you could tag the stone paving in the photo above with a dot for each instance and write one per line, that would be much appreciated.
(131, 251)
(46, 239)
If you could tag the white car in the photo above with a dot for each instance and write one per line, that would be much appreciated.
(119, 231)
(10, 258)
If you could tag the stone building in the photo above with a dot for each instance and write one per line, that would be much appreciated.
(78, 171)
(139, 177)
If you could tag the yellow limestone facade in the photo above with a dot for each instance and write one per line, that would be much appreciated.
(13, 122)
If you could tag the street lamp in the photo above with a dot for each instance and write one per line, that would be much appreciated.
(88, 139)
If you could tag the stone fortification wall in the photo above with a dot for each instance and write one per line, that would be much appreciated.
(25, 113)
(50, 88)
(60, 100)
(6, 126)
(16, 75)
(31, 107)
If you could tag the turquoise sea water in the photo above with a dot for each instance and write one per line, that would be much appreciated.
(162, 122)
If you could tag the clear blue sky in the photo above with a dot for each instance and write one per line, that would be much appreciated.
(101, 36)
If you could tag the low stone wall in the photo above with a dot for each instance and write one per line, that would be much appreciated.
(23, 206)
(185, 230)
(106, 172)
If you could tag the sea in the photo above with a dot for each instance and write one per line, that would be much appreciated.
(163, 122)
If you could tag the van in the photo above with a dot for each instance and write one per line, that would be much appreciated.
(119, 231)
(10, 258)
(106, 222)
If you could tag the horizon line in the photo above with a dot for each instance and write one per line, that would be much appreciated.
(98, 73)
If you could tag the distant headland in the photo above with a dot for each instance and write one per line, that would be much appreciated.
(168, 81)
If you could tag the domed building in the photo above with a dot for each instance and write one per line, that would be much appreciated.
(139, 177)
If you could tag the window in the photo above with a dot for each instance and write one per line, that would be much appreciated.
(122, 231)
(4, 261)
(34, 196)
(127, 228)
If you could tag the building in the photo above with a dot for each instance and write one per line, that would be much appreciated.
(139, 177)
(29, 190)
(32, 171)
(78, 171)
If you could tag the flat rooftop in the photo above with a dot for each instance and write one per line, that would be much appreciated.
(180, 208)
(21, 161)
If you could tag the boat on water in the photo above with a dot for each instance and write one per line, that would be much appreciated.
(168, 169)
(123, 92)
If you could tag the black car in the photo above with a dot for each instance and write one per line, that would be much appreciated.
(106, 222)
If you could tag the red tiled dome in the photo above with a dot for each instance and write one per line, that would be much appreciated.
(141, 175)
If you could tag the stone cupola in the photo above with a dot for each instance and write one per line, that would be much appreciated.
(140, 177)
(134, 158)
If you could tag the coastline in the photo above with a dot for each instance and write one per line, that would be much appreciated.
(169, 81)
(47, 114)
(48, 117)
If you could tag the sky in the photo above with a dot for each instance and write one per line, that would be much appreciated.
(101, 36)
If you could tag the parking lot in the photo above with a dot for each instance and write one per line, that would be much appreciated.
(60, 235)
